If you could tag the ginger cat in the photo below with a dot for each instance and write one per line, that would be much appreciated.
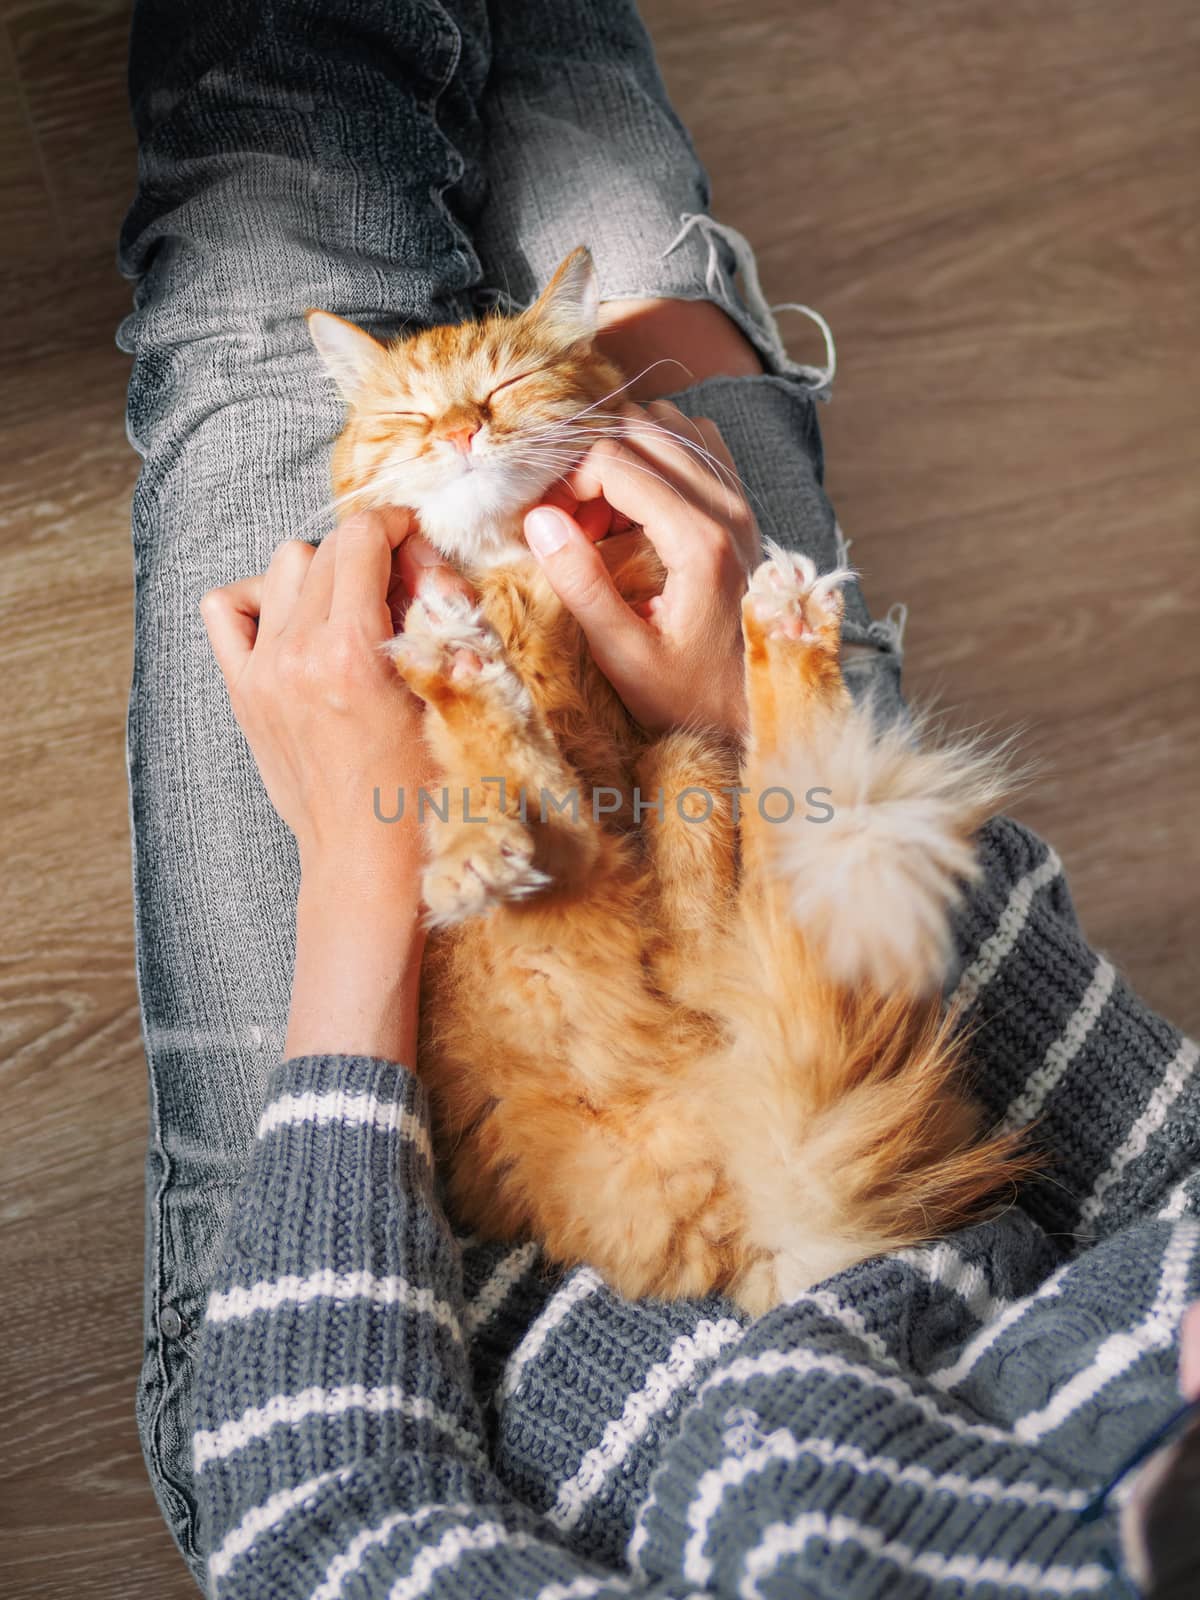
(697, 1053)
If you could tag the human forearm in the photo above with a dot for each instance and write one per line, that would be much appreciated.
(332, 1353)
(328, 720)
(359, 943)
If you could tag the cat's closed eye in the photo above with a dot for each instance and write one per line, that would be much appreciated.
(508, 382)
(423, 416)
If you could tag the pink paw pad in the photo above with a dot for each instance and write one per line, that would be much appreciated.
(789, 600)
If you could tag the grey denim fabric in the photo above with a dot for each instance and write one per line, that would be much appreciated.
(398, 162)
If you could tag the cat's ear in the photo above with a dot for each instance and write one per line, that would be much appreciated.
(351, 356)
(570, 302)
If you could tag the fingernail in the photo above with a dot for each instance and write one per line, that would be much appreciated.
(546, 530)
(423, 553)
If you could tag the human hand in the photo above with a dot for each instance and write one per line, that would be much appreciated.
(328, 720)
(327, 717)
(678, 658)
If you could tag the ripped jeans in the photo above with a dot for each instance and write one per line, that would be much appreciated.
(401, 163)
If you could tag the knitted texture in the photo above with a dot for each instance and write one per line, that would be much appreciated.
(384, 1410)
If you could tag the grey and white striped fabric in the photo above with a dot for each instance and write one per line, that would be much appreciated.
(384, 1410)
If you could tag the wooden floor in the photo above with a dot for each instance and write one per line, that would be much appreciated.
(995, 206)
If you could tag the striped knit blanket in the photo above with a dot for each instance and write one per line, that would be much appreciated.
(384, 1410)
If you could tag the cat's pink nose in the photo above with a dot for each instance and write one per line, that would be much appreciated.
(461, 438)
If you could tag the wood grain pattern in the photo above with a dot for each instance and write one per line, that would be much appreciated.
(996, 209)
(993, 209)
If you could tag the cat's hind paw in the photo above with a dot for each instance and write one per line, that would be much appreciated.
(481, 865)
(787, 600)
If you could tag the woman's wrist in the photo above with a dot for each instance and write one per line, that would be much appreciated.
(359, 943)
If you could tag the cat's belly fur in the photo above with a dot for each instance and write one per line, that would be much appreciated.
(557, 1024)
(634, 1054)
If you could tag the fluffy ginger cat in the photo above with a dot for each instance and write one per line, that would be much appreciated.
(698, 1049)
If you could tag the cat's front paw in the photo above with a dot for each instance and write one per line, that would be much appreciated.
(787, 600)
(448, 645)
(482, 864)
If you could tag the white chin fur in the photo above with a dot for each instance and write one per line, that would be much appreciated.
(475, 518)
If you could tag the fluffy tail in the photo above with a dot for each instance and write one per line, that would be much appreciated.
(858, 1137)
(872, 887)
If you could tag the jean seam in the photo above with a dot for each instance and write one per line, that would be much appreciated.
(155, 1391)
(449, 34)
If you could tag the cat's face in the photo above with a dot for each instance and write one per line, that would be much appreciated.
(469, 425)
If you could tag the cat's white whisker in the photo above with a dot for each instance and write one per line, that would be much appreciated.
(629, 382)
(566, 456)
(719, 470)
(648, 425)
(729, 478)
(327, 512)
(638, 466)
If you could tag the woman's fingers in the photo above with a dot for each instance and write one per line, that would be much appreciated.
(231, 618)
(679, 444)
(347, 575)
(710, 475)
(692, 449)
(283, 582)
(425, 571)
(595, 517)
(617, 472)
(660, 476)
(579, 577)
(362, 569)
(559, 495)
(743, 526)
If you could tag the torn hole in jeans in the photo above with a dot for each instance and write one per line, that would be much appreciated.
(757, 318)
